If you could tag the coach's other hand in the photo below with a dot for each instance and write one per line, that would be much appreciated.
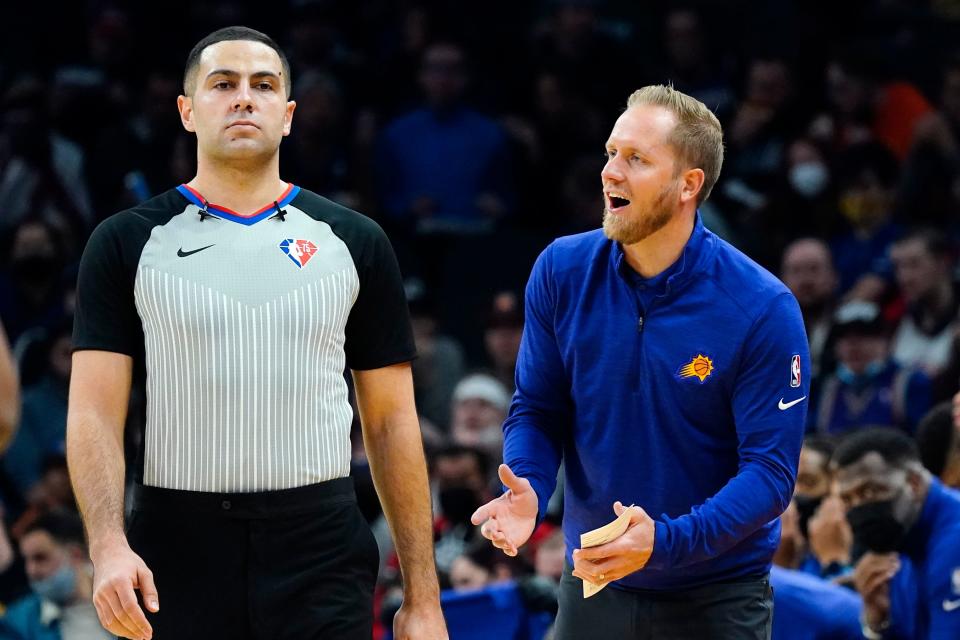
(117, 571)
(509, 520)
(621, 557)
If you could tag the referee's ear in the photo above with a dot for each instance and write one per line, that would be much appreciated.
(287, 118)
(185, 107)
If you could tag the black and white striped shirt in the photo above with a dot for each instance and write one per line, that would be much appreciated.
(246, 325)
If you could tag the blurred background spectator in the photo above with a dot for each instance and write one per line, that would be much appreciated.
(807, 270)
(905, 526)
(938, 440)
(480, 404)
(60, 575)
(501, 338)
(868, 387)
(9, 393)
(924, 271)
(474, 134)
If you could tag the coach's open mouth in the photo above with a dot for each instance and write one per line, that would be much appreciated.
(615, 202)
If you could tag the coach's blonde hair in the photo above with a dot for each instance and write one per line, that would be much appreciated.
(697, 137)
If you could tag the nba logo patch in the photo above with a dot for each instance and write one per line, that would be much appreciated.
(795, 371)
(955, 579)
(300, 251)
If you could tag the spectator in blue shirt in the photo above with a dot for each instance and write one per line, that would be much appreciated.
(420, 185)
(669, 371)
(895, 507)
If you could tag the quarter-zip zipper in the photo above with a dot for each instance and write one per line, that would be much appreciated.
(641, 321)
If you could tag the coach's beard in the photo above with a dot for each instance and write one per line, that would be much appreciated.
(626, 231)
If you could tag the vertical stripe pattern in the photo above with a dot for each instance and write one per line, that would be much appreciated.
(244, 398)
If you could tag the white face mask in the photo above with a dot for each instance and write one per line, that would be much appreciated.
(809, 179)
(58, 588)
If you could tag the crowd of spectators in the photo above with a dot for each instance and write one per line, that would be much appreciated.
(473, 133)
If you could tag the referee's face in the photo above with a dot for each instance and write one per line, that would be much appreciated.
(239, 108)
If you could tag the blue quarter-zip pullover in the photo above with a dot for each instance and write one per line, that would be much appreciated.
(684, 394)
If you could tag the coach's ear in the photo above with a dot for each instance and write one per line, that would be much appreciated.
(185, 106)
(693, 180)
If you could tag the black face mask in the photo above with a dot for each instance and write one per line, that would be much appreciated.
(806, 507)
(875, 528)
(458, 504)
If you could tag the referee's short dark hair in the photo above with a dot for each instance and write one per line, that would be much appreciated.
(895, 447)
(224, 35)
(65, 527)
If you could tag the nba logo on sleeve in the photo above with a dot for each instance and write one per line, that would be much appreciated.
(795, 371)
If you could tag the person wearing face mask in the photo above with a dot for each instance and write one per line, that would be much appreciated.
(906, 525)
(868, 387)
(866, 181)
(815, 538)
(61, 581)
(460, 478)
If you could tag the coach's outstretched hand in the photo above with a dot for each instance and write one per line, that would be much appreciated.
(116, 573)
(509, 520)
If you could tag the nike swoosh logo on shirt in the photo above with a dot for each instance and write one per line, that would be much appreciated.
(951, 605)
(786, 405)
(184, 254)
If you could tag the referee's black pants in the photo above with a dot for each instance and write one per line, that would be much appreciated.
(294, 564)
(737, 610)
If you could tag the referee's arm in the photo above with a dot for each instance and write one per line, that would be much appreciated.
(99, 394)
(391, 436)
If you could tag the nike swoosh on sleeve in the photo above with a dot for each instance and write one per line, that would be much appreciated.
(786, 405)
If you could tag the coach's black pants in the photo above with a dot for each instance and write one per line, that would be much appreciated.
(295, 564)
(736, 610)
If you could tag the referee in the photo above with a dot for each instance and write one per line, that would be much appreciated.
(245, 298)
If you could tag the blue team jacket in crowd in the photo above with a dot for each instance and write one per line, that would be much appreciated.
(24, 621)
(925, 594)
(810, 608)
(684, 394)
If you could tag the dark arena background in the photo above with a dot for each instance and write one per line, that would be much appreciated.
(842, 177)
